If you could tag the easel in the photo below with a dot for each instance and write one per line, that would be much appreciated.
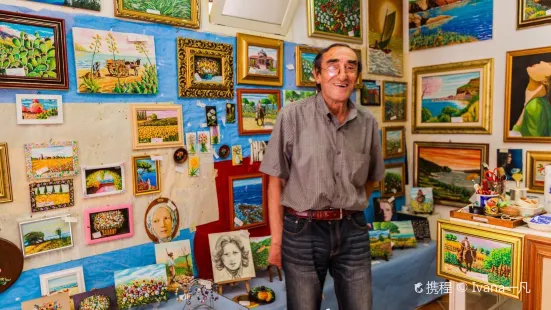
(278, 272)
(234, 283)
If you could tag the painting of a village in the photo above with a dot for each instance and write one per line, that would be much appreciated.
(94, 5)
(248, 201)
(385, 35)
(262, 60)
(394, 99)
(111, 63)
(45, 235)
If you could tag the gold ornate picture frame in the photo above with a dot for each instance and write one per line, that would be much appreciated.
(182, 13)
(535, 170)
(335, 21)
(304, 65)
(5, 179)
(205, 69)
(259, 60)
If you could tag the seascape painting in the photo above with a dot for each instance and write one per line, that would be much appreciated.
(94, 5)
(147, 178)
(370, 93)
(385, 37)
(51, 195)
(110, 62)
(394, 101)
(262, 60)
(48, 160)
(336, 20)
(401, 233)
(45, 235)
(442, 23)
(141, 286)
(290, 96)
(68, 283)
(380, 244)
(39, 109)
(257, 110)
(260, 247)
(248, 202)
(103, 180)
(177, 258)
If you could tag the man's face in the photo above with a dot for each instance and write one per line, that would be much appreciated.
(339, 73)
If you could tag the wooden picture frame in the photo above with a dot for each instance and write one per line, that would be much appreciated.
(247, 44)
(77, 272)
(470, 85)
(537, 254)
(392, 111)
(370, 93)
(150, 223)
(65, 194)
(51, 160)
(191, 54)
(155, 16)
(350, 35)
(503, 243)
(266, 126)
(31, 109)
(303, 64)
(535, 173)
(141, 165)
(385, 192)
(400, 151)
(144, 116)
(6, 194)
(95, 176)
(28, 227)
(108, 223)
(53, 54)
(523, 22)
(238, 220)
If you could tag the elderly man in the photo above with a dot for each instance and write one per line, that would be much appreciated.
(323, 159)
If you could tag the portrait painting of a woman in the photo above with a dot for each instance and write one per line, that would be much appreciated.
(231, 257)
(161, 220)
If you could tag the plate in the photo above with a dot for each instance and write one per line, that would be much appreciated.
(180, 155)
(11, 264)
(224, 151)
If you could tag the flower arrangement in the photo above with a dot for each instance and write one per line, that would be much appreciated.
(141, 292)
(51, 305)
(203, 140)
(207, 66)
(108, 222)
(95, 302)
(4, 281)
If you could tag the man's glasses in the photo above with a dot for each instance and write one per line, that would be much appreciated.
(334, 69)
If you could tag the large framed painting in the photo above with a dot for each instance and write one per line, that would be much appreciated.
(141, 286)
(450, 169)
(156, 126)
(260, 60)
(103, 180)
(527, 103)
(146, 175)
(108, 223)
(5, 176)
(340, 21)
(36, 55)
(257, 110)
(109, 62)
(39, 109)
(234, 243)
(395, 100)
(247, 201)
(51, 159)
(535, 170)
(304, 65)
(394, 141)
(482, 258)
(173, 12)
(45, 235)
(385, 37)
(453, 98)
(94, 5)
(394, 184)
(370, 93)
(531, 13)
(68, 280)
(205, 69)
(51, 195)
(443, 23)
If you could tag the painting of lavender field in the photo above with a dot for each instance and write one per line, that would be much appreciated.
(248, 204)
(94, 5)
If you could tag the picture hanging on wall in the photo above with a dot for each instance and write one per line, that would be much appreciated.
(225, 270)
(394, 101)
(247, 201)
(56, 301)
(51, 159)
(38, 52)
(180, 155)
(147, 175)
(370, 93)
(511, 161)
(393, 141)
(210, 115)
(103, 298)
(149, 281)
(108, 223)
(531, 13)
(103, 180)
(177, 258)
(55, 194)
(260, 247)
(194, 166)
(5, 176)
(214, 135)
(11, 264)
(68, 280)
(304, 65)
(109, 62)
(173, 12)
(527, 96)
(394, 182)
(39, 109)
(205, 69)
(162, 220)
(453, 98)
(385, 37)
(191, 142)
(442, 24)
(203, 139)
(341, 21)
(260, 60)
(94, 5)
(156, 126)
(230, 113)
(45, 235)
(257, 110)
(290, 96)
(236, 155)
(359, 54)
(535, 170)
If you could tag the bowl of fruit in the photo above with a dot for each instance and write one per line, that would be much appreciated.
(262, 295)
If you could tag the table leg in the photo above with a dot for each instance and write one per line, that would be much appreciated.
(458, 296)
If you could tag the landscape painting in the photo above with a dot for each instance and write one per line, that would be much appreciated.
(51, 195)
(103, 180)
(380, 244)
(141, 286)
(182, 13)
(335, 20)
(401, 233)
(451, 169)
(535, 170)
(157, 126)
(394, 101)
(108, 223)
(257, 110)
(110, 62)
(260, 247)
(68, 280)
(45, 235)
(177, 258)
(386, 37)
(370, 93)
(394, 182)
(94, 5)
(290, 96)
(247, 201)
(421, 199)
(51, 160)
(304, 64)
(147, 175)
(59, 301)
(532, 13)
(262, 60)
(443, 23)
(393, 142)
(39, 109)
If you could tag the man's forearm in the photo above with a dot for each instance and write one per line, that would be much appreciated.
(275, 210)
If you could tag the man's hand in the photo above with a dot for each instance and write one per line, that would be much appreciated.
(275, 255)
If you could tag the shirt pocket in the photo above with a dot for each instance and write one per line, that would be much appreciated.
(358, 165)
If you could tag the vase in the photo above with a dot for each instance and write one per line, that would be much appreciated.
(203, 147)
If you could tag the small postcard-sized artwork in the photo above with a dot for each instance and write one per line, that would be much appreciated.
(215, 135)
(39, 109)
(380, 244)
(212, 119)
(401, 233)
(237, 155)
(191, 142)
(68, 280)
(194, 166)
(230, 113)
(203, 138)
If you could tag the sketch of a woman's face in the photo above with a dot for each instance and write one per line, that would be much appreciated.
(162, 223)
(231, 257)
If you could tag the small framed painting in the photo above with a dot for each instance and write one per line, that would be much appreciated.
(394, 182)
(39, 109)
(103, 298)
(260, 60)
(511, 161)
(172, 12)
(532, 13)
(393, 142)
(162, 220)
(45, 235)
(340, 21)
(55, 194)
(56, 301)
(108, 223)
(230, 113)
(304, 65)
(51, 159)
(156, 126)
(147, 175)
(257, 110)
(68, 280)
(247, 201)
(226, 270)
(5, 177)
(370, 93)
(394, 101)
(103, 180)
(535, 170)
(152, 283)
(290, 96)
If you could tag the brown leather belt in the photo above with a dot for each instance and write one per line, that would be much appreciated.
(324, 215)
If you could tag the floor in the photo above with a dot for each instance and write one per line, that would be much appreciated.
(475, 301)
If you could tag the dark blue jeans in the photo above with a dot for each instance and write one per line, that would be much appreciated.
(311, 247)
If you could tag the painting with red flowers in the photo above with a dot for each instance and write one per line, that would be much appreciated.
(141, 286)
(39, 109)
(336, 19)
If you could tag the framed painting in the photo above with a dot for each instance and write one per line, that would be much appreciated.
(394, 183)
(260, 60)
(385, 37)
(447, 23)
(178, 259)
(359, 84)
(290, 96)
(51, 195)
(483, 258)
(531, 13)
(226, 270)
(304, 65)
(108, 223)
(257, 110)
(103, 298)
(94, 5)
(370, 93)
(39, 109)
(394, 101)
(527, 104)
(38, 61)
(103, 180)
(6, 194)
(68, 280)
(51, 159)
(394, 142)
(384, 209)
(453, 98)
(205, 69)
(147, 175)
(162, 220)
(148, 282)
(247, 201)
(11, 264)
(450, 169)
(109, 62)
(535, 170)
(173, 12)
(260, 247)
(511, 161)
(332, 20)
(45, 235)
(156, 126)
(56, 301)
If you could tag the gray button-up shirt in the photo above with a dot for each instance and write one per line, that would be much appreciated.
(326, 165)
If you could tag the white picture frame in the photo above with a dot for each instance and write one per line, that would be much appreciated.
(60, 219)
(21, 104)
(73, 276)
(88, 171)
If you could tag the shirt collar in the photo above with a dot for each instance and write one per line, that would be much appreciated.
(322, 107)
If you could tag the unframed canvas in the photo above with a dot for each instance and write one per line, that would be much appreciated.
(247, 201)
(56, 301)
(237, 267)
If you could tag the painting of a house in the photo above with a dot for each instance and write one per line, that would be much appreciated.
(262, 60)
